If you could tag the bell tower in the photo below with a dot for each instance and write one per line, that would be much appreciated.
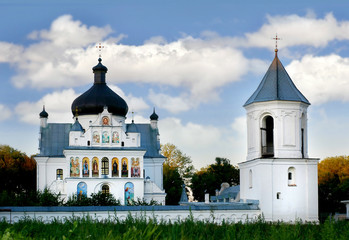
(278, 171)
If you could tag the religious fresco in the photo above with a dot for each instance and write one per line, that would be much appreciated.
(74, 167)
(115, 167)
(105, 137)
(124, 167)
(105, 121)
(96, 138)
(85, 167)
(129, 193)
(135, 169)
(115, 137)
(82, 189)
(95, 172)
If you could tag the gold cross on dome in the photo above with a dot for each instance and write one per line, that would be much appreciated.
(100, 47)
(276, 41)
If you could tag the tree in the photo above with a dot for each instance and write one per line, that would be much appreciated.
(208, 179)
(17, 171)
(177, 169)
(333, 176)
(177, 159)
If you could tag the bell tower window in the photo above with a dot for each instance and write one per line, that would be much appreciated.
(267, 135)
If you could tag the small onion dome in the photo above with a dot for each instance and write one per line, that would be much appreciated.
(77, 126)
(154, 116)
(43, 114)
(99, 96)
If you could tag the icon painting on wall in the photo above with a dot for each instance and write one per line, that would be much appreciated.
(129, 193)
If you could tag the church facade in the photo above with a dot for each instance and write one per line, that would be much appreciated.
(99, 151)
(278, 171)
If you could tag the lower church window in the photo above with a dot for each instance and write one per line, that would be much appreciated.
(105, 189)
(59, 174)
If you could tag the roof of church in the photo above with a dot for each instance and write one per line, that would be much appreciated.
(55, 138)
(154, 116)
(99, 96)
(276, 85)
(77, 126)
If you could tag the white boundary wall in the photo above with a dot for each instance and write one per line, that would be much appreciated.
(217, 215)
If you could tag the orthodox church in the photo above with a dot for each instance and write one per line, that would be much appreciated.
(99, 151)
(278, 171)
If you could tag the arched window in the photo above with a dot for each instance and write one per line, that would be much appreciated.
(105, 166)
(267, 134)
(250, 178)
(291, 175)
(115, 167)
(105, 189)
(59, 174)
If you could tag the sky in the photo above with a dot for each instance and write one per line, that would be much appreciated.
(196, 62)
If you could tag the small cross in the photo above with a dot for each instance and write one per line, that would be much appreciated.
(276, 41)
(133, 116)
(76, 112)
(99, 47)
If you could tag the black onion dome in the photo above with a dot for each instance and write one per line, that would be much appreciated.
(43, 114)
(99, 96)
(154, 116)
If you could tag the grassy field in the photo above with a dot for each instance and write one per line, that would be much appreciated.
(141, 229)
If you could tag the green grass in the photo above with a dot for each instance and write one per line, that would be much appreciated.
(131, 228)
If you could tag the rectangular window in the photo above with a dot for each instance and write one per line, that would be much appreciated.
(59, 174)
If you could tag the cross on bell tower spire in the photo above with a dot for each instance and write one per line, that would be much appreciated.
(276, 43)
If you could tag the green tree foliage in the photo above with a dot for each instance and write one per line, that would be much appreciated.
(333, 174)
(172, 185)
(17, 171)
(177, 168)
(208, 179)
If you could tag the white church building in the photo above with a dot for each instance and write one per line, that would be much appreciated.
(99, 151)
(278, 171)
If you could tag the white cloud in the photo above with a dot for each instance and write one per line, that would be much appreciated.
(203, 143)
(5, 112)
(57, 104)
(171, 104)
(297, 30)
(321, 78)
(62, 57)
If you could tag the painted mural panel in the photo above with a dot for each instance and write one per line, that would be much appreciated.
(124, 169)
(85, 167)
(95, 163)
(105, 137)
(82, 189)
(129, 193)
(135, 169)
(115, 167)
(74, 167)
(115, 137)
(96, 137)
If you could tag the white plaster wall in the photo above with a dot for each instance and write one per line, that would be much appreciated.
(214, 216)
(116, 186)
(287, 117)
(154, 169)
(270, 176)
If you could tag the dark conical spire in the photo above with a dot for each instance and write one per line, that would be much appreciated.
(276, 85)
(100, 70)
(154, 116)
(43, 113)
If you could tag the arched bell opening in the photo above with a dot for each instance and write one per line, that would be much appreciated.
(267, 135)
